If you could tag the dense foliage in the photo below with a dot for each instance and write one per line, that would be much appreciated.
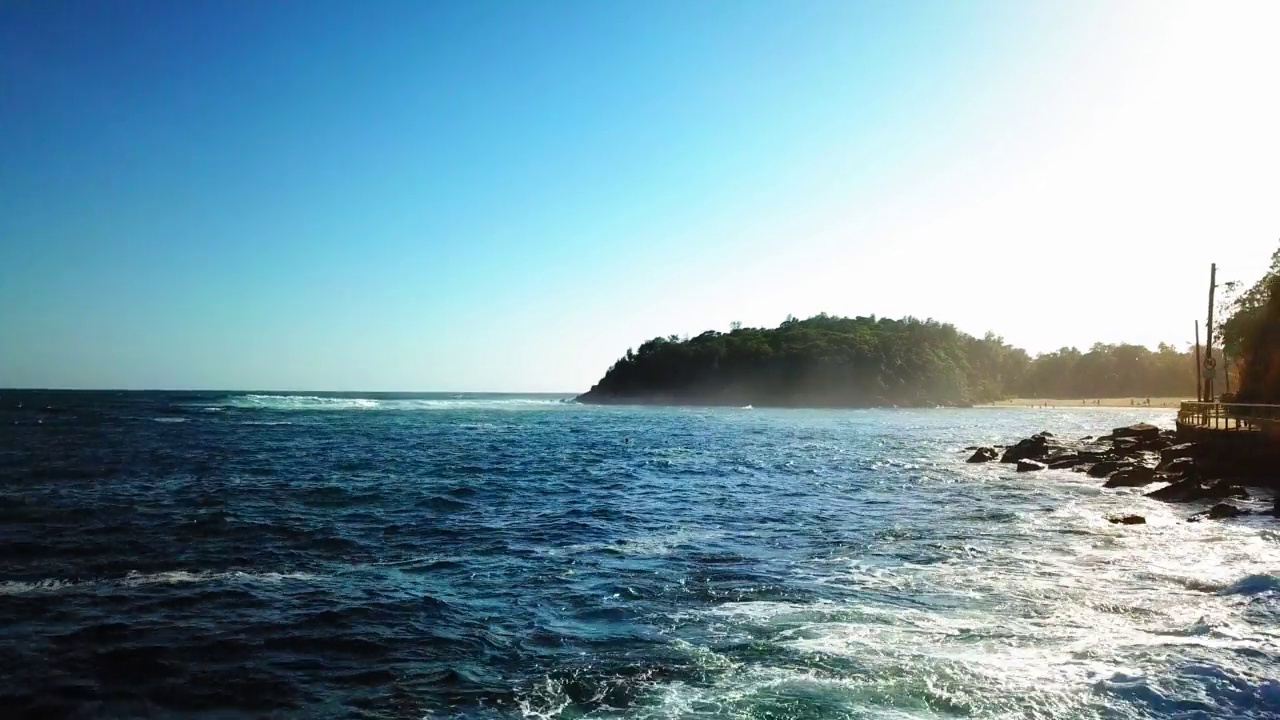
(869, 361)
(1252, 334)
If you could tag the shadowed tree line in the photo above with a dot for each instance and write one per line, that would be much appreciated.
(828, 361)
(1252, 334)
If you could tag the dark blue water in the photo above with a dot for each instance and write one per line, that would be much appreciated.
(233, 555)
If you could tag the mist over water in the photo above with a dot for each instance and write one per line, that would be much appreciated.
(409, 556)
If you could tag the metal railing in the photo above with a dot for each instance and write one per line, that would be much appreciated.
(1235, 417)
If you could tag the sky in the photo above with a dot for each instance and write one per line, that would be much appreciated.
(505, 196)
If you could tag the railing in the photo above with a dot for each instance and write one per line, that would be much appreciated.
(1235, 417)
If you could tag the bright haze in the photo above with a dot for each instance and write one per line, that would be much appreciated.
(506, 195)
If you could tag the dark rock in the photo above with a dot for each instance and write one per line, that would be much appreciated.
(1173, 452)
(1157, 444)
(1086, 438)
(1065, 463)
(1030, 466)
(1181, 491)
(1032, 448)
(1045, 433)
(1181, 467)
(983, 454)
(1126, 446)
(1127, 519)
(1131, 477)
(1192, 489)
(1106, 467)
(1221, 511)
(1224, 489)
(1225, 510)
(1140, 430)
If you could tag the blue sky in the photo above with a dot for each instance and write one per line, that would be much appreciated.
(505, 196)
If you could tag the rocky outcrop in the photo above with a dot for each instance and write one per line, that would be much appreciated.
(1133, 456)
(1127, 519)
(983, 454)
(1036, 447)
(1221, 511)
(1135, 476)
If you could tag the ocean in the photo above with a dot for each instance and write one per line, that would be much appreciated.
(240, 555)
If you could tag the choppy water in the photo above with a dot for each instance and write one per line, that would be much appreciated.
(213, 555)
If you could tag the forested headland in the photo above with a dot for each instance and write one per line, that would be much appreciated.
(828, 361)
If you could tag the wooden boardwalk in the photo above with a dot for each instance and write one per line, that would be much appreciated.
(1230, 418)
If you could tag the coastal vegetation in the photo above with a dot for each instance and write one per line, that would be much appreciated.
(1252, 334)
(829, 361)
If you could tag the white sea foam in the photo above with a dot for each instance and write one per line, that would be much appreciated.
(318, 402)
(136, 579)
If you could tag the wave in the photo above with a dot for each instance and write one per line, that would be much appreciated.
(137, 579)
(319, 402)
(1252, 585)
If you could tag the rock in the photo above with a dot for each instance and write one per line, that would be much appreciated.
(1173, 452)
(1224, 489)
(1086, 438)
(1126, 446)
(1221, 511)
(1030, 466)
(1182, 466)
(1156, 444)
(1225, 510)
(1045, 433)
(1106, 467)
(983, 454)
(1032, 448)
(1140, 430)
(1192, 489)
(1136, 476)
(1127, 519)
(1065, 463)
(1181, 491)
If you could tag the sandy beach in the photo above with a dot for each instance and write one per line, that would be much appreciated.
(1161, 402)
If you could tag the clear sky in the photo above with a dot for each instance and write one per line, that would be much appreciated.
(507, 195)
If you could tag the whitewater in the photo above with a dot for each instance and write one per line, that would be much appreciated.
(489, 556)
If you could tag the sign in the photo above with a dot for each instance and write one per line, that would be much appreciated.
(1210, 363)
(1209, 373)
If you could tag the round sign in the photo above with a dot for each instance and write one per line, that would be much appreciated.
(1210, 363)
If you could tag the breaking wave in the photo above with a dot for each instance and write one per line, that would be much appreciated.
(324, 402)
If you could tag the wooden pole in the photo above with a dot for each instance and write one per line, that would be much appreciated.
(1199, 385)
(1208, 337)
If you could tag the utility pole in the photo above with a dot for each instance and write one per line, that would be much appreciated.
(1209, 362)
(1199, 384)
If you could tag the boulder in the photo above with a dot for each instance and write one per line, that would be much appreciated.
(1157, 444)
(1030, 466)
(1181, 467)
(1126, 446)
(1224, 489)
(1181, 491)
(1140, 430)
(1221, 511)
(1106, 467)
(1127, 519)
(1065, 463)
(1173, 452)
(1192, 489)
(983, 454)
(1225, 510)
(1032, 448)
(1136, 476)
